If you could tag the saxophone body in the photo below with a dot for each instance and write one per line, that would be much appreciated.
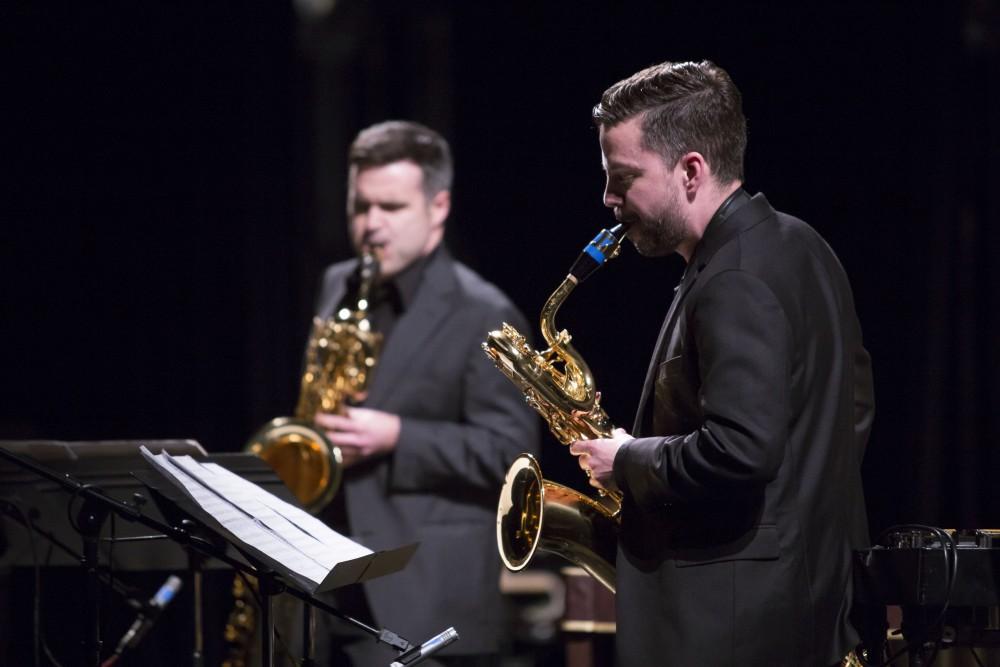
(534, 513)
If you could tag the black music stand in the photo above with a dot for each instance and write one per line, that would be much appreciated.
(274, 576)
(108, 465)
(33, 506)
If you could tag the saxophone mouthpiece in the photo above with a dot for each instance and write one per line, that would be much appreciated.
(596, 254)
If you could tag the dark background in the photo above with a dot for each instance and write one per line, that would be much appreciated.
(174, 187)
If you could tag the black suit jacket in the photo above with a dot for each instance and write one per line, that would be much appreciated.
(743, 498)
(462, 425)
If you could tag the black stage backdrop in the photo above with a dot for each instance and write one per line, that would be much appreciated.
(174, 186)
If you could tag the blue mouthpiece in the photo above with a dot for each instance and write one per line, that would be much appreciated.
(597, 252)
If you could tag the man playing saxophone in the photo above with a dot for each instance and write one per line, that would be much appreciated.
(741, 478)
(426, 451)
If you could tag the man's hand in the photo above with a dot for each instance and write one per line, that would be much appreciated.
(361, 433)
(597, 457)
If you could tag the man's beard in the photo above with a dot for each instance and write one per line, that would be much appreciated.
(659, 235)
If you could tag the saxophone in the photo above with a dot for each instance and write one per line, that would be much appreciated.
(340, 356)
(535, 513)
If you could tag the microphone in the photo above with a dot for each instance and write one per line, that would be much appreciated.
(149, 614)
(427, 649)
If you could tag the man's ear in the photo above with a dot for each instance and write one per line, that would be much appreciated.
(694, 171)
(440, 207)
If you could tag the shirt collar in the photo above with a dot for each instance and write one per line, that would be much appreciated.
(716, 230)
(407, 281)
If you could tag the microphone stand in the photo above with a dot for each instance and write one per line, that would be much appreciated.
(98, 505)
(89, 521)
(308, 632)
(195, 562)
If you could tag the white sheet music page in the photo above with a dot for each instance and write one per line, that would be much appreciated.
(342, 548)
(236, 519)
(277, 524)
(260, 504)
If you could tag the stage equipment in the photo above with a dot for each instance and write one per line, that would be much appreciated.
(535, 513)
(33, 507)
(947, 585)
(230, 509)
(147, 617)
(340, 356)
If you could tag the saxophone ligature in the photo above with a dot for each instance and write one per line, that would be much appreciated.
(534, 513)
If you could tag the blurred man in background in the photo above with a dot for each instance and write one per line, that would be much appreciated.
(426, 452)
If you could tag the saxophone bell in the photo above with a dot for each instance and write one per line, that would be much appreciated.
(535, 514)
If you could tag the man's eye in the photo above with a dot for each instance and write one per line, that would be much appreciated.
(361, 208)
(622, 182)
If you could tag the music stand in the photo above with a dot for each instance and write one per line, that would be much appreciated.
(108, 465)
(274, 576)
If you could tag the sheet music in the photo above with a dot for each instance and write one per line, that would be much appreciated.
(245, 513)
(342, 547)
(261, 505)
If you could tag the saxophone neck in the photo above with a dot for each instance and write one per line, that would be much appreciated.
(596, 254)
(547, 318)
(342, 351)
(368, 271)
(577, 382)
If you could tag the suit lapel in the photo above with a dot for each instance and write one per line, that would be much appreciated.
(727, 223)
(666, 333)
(334, 290)
(433, 302)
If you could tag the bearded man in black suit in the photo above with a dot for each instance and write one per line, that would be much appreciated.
(742, 475)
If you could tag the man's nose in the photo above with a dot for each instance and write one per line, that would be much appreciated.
(374, 219)
(611, 199)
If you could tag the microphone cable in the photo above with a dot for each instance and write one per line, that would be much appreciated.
(38, 642)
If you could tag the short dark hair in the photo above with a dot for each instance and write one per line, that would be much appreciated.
(685, 107)
(395, 140)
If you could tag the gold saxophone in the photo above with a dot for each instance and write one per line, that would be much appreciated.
(340, 356)
(341, 353)
(535, 513)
